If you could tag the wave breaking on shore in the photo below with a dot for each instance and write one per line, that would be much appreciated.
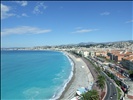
(62, 88)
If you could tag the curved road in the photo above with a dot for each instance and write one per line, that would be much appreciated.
(111, 89)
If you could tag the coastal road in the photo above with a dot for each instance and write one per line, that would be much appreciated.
(111, 89)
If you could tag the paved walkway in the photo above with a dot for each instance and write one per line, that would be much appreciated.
(95, 74)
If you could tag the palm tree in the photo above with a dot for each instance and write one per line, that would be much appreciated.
(102, 78)
(94, 95)
(98, 69)
(101, 82)
(90, 95)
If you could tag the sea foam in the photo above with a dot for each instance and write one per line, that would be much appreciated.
(58, 93)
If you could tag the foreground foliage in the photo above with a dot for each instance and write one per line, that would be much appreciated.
(90, 95)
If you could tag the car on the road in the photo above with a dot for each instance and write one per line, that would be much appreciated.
(114, 93)
(111, 97)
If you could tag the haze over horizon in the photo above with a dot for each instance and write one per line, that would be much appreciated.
(39, 23)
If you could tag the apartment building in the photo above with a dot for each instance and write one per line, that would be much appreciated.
(127, 62)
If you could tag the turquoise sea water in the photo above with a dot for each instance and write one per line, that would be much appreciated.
(34, 75)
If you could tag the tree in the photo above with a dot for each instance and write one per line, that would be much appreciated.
(98, 69)
(102, 78)
(101, 82)
(90, 95)
(130, 71)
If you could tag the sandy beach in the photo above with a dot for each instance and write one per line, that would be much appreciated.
(81, 78)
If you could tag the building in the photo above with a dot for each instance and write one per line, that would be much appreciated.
(127, 62)
(92, 53)
(85, 53)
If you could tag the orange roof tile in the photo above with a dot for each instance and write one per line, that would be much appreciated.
(129, 58)
(119, 75)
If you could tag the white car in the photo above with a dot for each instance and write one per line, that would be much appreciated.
(111, 97)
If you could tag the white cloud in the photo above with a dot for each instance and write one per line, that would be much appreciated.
(84, 30)
(24, 30)
(5, 12)
(22, 3)
(24, 15)
(39, 8)
(105, 13)
(130, 21)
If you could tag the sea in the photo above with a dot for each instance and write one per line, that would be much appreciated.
(34, 75)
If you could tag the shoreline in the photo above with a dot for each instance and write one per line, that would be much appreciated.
(71, 80)
(83, 79)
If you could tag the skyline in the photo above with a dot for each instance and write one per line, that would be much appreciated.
(28, 23)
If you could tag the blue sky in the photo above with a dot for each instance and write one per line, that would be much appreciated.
(40, 23)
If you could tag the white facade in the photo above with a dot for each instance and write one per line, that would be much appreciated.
(86, 53)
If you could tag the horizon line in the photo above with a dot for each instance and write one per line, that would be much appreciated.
(68, 44)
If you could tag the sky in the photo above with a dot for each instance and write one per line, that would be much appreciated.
(40, 23)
